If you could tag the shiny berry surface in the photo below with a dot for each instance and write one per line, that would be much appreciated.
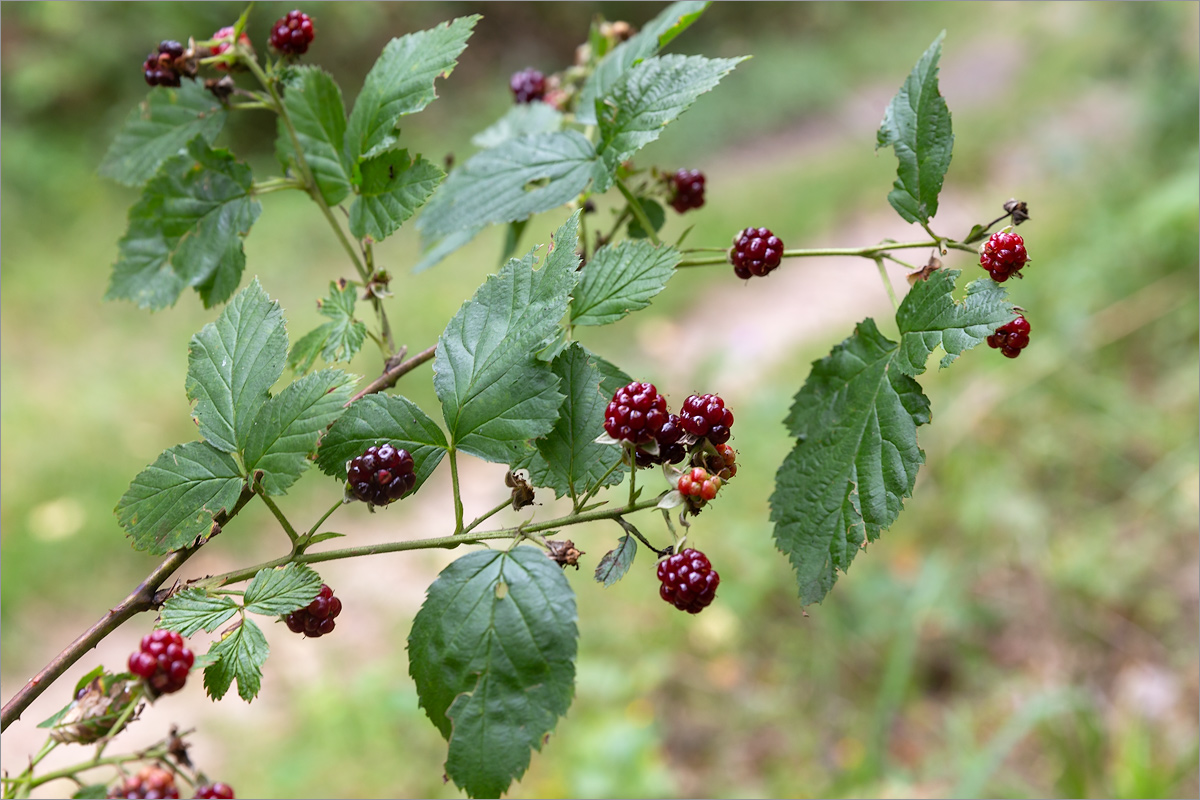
(381, 475)
(706, 415)
(1003, 256)
(316, 619)
(214, 791)
(637, 413)
(150, 783)
(293, 33)
(688, 186)
(1012, 338)
(527, 85)
(159, 67)
(163, 661)
(670, 451)
(225, 47)
(688, 581)
(755, 252)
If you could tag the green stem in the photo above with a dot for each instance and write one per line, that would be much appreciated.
(458, 504)
(276, 185)
(639, 213)
(283, 520)
(887, 282)
(938, 239)
(632, 474)
(503, 505)
(158, 751)
(385, 327)
(862, 252)
(122, 720)
(597, 487)
(325, 516)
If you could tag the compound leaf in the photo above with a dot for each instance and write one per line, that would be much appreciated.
(314, 103)
(337, 340)
(616, 562)
(378, 419)
(240, 655)
(195, 610)
(518, 121)
(394, 186)
(929, 317)
(282, 590)
(619, 279)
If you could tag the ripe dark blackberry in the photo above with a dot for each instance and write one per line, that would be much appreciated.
(225, 47)
(150, 783)
(755, 251)
(688, 581)
(1003, 256)
(1011, 338)
(293, 33)
(527, 85)
(214, 791)
(699, 484)
(381, 475)
(706, 415)
(162, 661)
(670, 451)
(688, 190)
(316, 619)
(636, 414)
(159, 68)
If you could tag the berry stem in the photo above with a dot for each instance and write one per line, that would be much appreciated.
(388, 379)
(279, 515)
(475, 524)
(275, 185)
(598, 486)
(862, 252)
(639, 213)
(458, 503)
(304, 540)
(384, 327)
(629, 528)
(887, 282)
(158, 752)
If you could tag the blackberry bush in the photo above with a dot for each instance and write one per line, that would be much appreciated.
(1011, 338)
(755, 252)
(163, 661)
(317, 618)
(687, 190)
(527, 85)
(636, 413)
(381, 475)
(1003, 255)
(293, 33)
(706, 415)
(688, 581)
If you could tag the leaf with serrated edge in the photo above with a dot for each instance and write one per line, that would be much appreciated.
(232, 363)
(612, 377)
(173, 501)
(241, 654)
(616, 562)
(856, 420)
(917, 127)
(495, 393)
(380, 419)
(394, 186)
(194, 610)
(282, 590)
(286, 431)
(619, 279)
(518, 121)
(337, 340)
(314, 104)
(495, 668)
(929, 317)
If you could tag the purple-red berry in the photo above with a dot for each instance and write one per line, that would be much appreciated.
(225, 47)
(755, 251)
(381, 475)
(214, 791)
(151, 783)
(636, 414)
(688, 186)
(706, 415)
(293, 33)
(316, 619)
(670, 451)
(163, 661)
(527, 85)
(688, 581)
(1003, 256)
(1011, 338)
(159, 69)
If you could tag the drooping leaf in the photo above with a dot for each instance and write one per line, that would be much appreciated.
(160, 127)
(438, 249)
(195, 610)
(393, 187)
(495, 393)
(929, 317)
(282, 590)
(616, 562)
(619, 279)
(337, 340)
(173, 501)
(917, 127)
(518, 121)
(286, 431)
(232, 364)
(241, 654)
(314, 104)
(492, 652)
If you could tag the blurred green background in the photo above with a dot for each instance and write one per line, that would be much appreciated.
(1027, 628)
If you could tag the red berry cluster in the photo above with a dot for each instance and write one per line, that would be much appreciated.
(316, 619)
(688, 190)
(1012, 338)
(706, 415)
(699, 483)
(1003, 256)
(149, 784)
(225, 47)
(159, 68)
(381, 474)
(214, 791)
(527, 85)
(293, 33)
(688, 581)
(728, 466)
(637, 413)
(670, 449)
(755, 251)
(162, 661)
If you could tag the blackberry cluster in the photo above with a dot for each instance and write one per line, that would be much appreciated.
(699, 484)
(706, 415)
(688, 581)
(225, 47)
(636, 414)
(292, 33)
(1012, 338)
(149, 784)
(688, 190)
(727, 467)
(1003, 256)
(755, 251)
(162, 661)
(316, 619)
(214, 791)
(527, 85)
(159, 68)
(381, 474)
(670, 450)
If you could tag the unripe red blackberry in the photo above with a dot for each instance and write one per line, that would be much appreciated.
(150, 783)
(699, 484)
(163, 661)
(316, 619)
(688, 190)
(225, 47)
(755, 251)
(214, 791)
(159, 68)
(729, 457)
(293, 33)
(1011, 338)
(381, 475)
(688, 581)
(636, 414)
(706, 415)
(1003, 255)
(527, 85)
(670, 451)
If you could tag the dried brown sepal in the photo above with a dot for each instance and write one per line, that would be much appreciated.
(522, 492)
(97, 708)
(565, 554)
(1018, 210)
(924, 272)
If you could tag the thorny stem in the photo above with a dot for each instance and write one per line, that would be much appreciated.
(639, 213)
(863, 252)
(887, 282)
(384, 326)
(279, 515)
(388, 379)
(458, 504)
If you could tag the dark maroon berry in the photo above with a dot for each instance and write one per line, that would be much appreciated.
(214, 791)
(381, 475)
(1003, 256)
(160, 69)
(315, 619)
(150, 783)
(670, 451)
(755, 251)
(688, 190)
(292, 34)
(527, 85)
(706, 415)
(1012, 338)
(688, 581)
(162, 661)
(636, 414)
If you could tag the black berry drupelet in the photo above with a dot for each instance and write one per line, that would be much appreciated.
(159, 68)
(1011, 338)
(1003, 256)
(755, 251)
(381, 475)
(527, 85)
(688, 185)
(688, 581)
(637, 413)
(706, 415)
(293, 33)
(151, 783)
(316, 619)
(214, 791)
(163, 661)
(670, 451)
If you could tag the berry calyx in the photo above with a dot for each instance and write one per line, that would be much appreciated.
(636, 414)
(159, 69)
(316, 619)
(214, 791)
(706, 415)
(755, 251)
(688, 186)
(151, 783)
(163, 661)
(1003, 255)
(226, 46)
(688, 581)
(527, 85)
(1012, 338)
(381, 475)
(293, 33)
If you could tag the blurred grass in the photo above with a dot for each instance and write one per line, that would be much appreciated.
(1027, 628)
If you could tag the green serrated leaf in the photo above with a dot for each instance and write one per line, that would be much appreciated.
(917, 127)
(195, 610)
(322, 537)
(492, 652)
(232, 364)
(612, 377)
(438, 249)
(378, 419)
(620, 279)
(241, 654)
(289, 426)
(92, 791)
(338, 340)
(160, 127)
(495, 393)
(856, 420)
(393, 187)
(282, 590)
(402, 82)
(616, 562)
(173, 501)
(929, 317)
(314, 104)
(517, 121)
